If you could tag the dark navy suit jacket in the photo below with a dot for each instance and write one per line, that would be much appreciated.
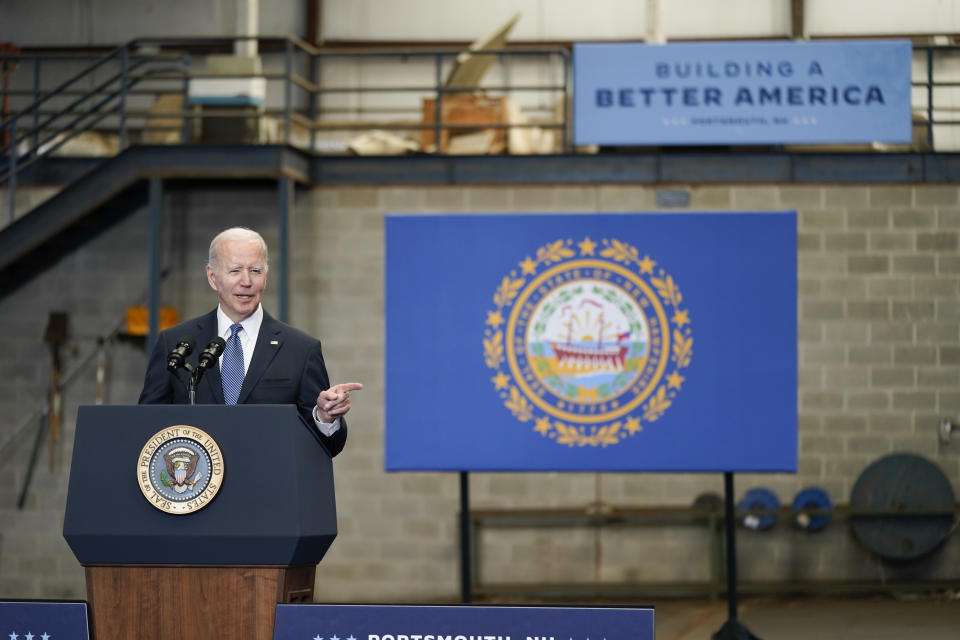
(287, 368)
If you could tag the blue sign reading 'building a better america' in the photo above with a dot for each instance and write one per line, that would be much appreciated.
(369, 622)
(742, 93)
(627, 342)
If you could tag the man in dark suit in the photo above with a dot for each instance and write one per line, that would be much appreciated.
(265, 361)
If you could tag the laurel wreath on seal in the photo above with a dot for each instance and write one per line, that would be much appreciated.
(660, 400)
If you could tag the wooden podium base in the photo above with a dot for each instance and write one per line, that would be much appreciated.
(190, 602)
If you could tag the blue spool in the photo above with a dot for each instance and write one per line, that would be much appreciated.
(759, 499)
(812, 498)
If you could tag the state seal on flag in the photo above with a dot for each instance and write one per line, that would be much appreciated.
(588, 341)
(180, 469)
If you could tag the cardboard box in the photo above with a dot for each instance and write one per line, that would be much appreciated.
(465, 109)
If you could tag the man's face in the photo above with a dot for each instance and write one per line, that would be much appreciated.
(239, 278)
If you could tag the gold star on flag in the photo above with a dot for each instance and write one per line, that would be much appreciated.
(494, 319)
(500, 381)
(633, 425)
(680, 318)
(528, 267)
(646, 265)
(587, 246)
(674, 380)
(542, 426)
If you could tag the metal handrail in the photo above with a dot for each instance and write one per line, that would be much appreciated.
(53, 126)
(297, 45)
(83, 74)
(33, 154)
(300, 73)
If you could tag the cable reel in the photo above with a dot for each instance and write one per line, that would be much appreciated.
(756, 504)
(915, 503)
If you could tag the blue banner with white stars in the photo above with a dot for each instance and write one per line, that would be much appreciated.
(43, 621)
(407, 622)
(600, 342)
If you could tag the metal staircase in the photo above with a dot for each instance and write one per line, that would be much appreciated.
(111, 98)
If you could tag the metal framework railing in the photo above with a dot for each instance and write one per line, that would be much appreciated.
(942, 112)
(55, 99)
(314, 98)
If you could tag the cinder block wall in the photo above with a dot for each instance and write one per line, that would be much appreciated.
(879, 354)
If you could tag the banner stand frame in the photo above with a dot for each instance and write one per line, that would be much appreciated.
(732, 629)
(465, 574)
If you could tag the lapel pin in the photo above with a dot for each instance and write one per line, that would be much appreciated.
(274, 342)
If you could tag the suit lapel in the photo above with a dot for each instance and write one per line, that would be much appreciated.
(268, 345)
(207, 326)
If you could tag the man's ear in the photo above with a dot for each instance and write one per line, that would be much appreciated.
(210, 278)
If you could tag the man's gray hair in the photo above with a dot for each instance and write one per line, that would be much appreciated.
(235, 233)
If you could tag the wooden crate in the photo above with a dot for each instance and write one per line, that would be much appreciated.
(465, 109)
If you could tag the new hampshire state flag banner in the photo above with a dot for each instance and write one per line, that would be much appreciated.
(603, 342)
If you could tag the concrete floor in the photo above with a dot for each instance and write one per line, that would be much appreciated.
(869, 618)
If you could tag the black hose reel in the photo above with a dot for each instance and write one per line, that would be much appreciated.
(908, 504)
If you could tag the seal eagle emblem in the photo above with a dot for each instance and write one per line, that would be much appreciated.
(588, 341)
(180, 469)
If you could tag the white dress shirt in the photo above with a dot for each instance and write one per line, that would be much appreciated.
(248, 340)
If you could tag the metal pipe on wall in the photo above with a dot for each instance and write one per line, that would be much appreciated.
(248, 24)
(798, 21)
(655, 30)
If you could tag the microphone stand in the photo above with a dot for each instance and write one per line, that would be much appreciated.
(195, 372)
(191, 382)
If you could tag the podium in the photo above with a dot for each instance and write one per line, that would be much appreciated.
(218, 570)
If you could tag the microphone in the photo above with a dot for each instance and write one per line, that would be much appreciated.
(177, 357)
(208, 357)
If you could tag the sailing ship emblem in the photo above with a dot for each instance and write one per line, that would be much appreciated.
(588, 341)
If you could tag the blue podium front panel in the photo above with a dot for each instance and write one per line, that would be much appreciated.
(275, 505)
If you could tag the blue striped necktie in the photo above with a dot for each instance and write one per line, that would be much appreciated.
(231, 371)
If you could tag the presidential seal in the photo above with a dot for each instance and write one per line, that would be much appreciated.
(588, 341)
(180, 469)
